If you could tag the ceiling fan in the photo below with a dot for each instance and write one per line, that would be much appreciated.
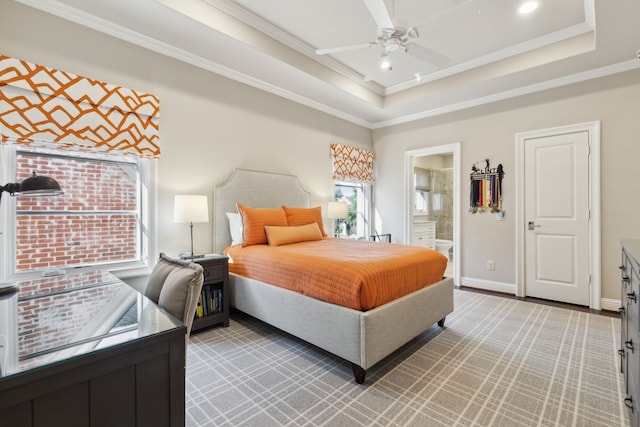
(394, 35)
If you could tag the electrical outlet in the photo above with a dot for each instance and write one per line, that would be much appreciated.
(491, 265)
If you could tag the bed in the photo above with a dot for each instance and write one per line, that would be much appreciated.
(360, 337)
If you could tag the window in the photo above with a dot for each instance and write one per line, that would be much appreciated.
(357, 197)
(421, 202)
(353, 177)
(100, 220)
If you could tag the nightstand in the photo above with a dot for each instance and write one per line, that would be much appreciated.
(213, 305)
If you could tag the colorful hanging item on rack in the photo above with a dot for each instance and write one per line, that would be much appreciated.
(486, 189)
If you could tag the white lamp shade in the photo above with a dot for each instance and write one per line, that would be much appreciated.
(337, 210)
(190, 209)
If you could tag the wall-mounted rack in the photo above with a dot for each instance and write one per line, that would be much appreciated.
(485, 189)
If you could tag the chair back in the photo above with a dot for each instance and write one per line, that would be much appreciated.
(175, 285)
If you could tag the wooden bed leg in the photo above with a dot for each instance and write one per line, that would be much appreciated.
(441, 322)
(358, 373)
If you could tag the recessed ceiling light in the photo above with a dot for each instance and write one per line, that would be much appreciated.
(528, 7)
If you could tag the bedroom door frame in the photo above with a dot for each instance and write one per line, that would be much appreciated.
(454, 149)
(593, 130)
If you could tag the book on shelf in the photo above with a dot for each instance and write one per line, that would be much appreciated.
(199, 309)
(210, 301)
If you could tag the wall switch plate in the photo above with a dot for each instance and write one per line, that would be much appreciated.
(491, 265)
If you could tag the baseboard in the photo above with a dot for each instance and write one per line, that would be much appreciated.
(610, 304)
(489, 285)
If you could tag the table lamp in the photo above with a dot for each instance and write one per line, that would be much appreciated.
(190, 209)
(337, 211)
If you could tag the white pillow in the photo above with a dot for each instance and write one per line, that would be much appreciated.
(235, 228)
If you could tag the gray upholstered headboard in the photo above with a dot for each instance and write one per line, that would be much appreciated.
(255, 189)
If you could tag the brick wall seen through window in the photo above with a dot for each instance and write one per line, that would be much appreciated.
(96, 221)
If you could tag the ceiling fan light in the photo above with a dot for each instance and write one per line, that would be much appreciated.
(393, 44)
(385, 63)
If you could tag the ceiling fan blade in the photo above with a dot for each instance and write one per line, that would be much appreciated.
(378, 10)
(344, 48)
(428, 55)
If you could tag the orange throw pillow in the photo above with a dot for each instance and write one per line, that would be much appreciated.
(254, 220)
(304, 216)
(277, 236)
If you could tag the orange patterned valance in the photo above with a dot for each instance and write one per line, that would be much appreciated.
(43, 107)
(352, 164)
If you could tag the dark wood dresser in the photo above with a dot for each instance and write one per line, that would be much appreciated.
(630, 317)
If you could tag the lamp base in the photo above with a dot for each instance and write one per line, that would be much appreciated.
(190, 256)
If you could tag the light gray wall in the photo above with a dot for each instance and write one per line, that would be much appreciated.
(209, 125)
(489, 132)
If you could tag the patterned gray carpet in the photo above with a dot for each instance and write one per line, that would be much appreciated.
(498, 362)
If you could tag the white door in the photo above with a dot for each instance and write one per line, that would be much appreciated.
(556, 185)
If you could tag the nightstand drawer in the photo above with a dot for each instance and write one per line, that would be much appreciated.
(213, 273)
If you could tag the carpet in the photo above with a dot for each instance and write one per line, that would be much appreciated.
(498, 362)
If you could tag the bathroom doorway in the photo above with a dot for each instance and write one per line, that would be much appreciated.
(432, 196)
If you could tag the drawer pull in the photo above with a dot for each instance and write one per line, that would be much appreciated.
(628, 402)
(621, 310)
(632, 296)
(625, 279)
(629, 345)
(621, 352)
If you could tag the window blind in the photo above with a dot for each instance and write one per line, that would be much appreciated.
(44, 107)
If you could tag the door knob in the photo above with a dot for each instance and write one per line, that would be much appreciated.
(532, 225)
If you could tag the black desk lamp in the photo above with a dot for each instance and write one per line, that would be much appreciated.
(33, 186)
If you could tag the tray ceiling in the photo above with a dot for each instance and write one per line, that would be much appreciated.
(490, 51)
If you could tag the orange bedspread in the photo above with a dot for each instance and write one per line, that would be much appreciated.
(352, 273)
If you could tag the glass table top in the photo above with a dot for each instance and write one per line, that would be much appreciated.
(55, 318)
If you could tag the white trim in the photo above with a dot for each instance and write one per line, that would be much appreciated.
(233, 9)
(606, 304)
(610, 304)
(509, 52)
(454, 149)
(583, 76)
(595, 261)
(107, 27)
(72, 14)
(489, 285)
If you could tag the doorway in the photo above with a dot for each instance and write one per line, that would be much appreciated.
(431, 198)
(558, 214)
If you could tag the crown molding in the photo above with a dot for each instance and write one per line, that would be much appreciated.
(524, 90)
(236, 11)
(72, 14)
